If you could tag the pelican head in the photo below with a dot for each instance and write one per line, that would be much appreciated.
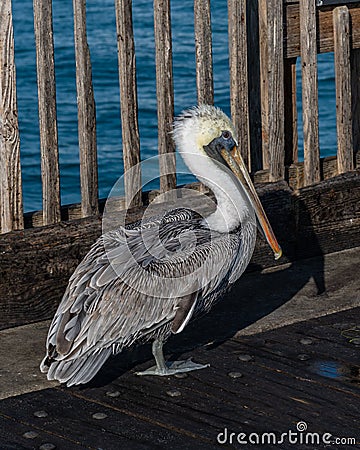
(206, 139)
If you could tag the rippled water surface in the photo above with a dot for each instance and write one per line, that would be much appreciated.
(102, 42)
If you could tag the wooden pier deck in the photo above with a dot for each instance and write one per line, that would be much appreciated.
(306, 374)
(279, 348)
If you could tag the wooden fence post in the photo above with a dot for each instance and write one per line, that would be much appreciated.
(290, 112)
(86, 114)
(165, 94)
(203, 50)
(264, 80)
(254, 85)
(11, 207)
(47, 111)
(343, 88)
(129, 105)
(309, 91)
(239, 90)
(272, 74)
(355, 100)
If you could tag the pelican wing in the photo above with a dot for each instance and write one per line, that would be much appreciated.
(132, 283)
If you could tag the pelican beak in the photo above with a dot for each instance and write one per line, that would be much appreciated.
(235, 162)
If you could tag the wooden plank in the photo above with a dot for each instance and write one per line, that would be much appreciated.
(50, 254)
(309, 91)
(355, 100)
(326, 214)
(321, 219)
(11, 208)
(275, 371)
(203, 52)
(269, 385)
(261, 176)
(272, 87)
(290, 112)
(325, 42)
(334, 2)
(264, 80)
(280, 350)
(73, 211)
(70, 418)
(239, 91)
(276, 90)
(254, 86)
(47, 110)
(205, 417)
(128, 104)
(21, 435)
(260, 399)
(295, 175)
(275, 364)
(343, 89)
(86, 114)
(165, 94)
(275, 391)
(35, 283)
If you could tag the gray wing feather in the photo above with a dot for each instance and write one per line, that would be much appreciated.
(104, 306)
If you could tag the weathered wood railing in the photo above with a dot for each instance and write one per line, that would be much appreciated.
(265, 38)
(11, 208)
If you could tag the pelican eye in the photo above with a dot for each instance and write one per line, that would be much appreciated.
(226, 134)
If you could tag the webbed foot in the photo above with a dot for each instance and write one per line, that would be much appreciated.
(173, 367)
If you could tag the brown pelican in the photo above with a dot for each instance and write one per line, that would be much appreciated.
(146, 280)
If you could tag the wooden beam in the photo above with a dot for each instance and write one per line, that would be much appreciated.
(86, 114)
(239, 92)
(165, 94)
(328, 215)
(325, 42)
(309, 91)
(264, 80)
(32, 286)
(272, 92)
(254, 85)
(203, 52)
(343, 89)
(73, 211)
(11, 207)
(355, 100)
(290, 112)
(295, 172)
(276, 90)
(128, 104)
(47, 110)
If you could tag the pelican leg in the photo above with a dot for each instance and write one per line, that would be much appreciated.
(163, 368)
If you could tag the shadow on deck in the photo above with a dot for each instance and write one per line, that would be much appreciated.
(302, 375)
(263, 379)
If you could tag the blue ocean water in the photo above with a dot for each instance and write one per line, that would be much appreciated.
(102, 43)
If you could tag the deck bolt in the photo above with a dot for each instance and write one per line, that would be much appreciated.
(30, 435)
(303, 357)
(306, 341)
(40, 414)
(245, 358)
(181, 375)
(173, 393)
(113, 394)
(47, 446)
(99, 416)
(235, 374)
